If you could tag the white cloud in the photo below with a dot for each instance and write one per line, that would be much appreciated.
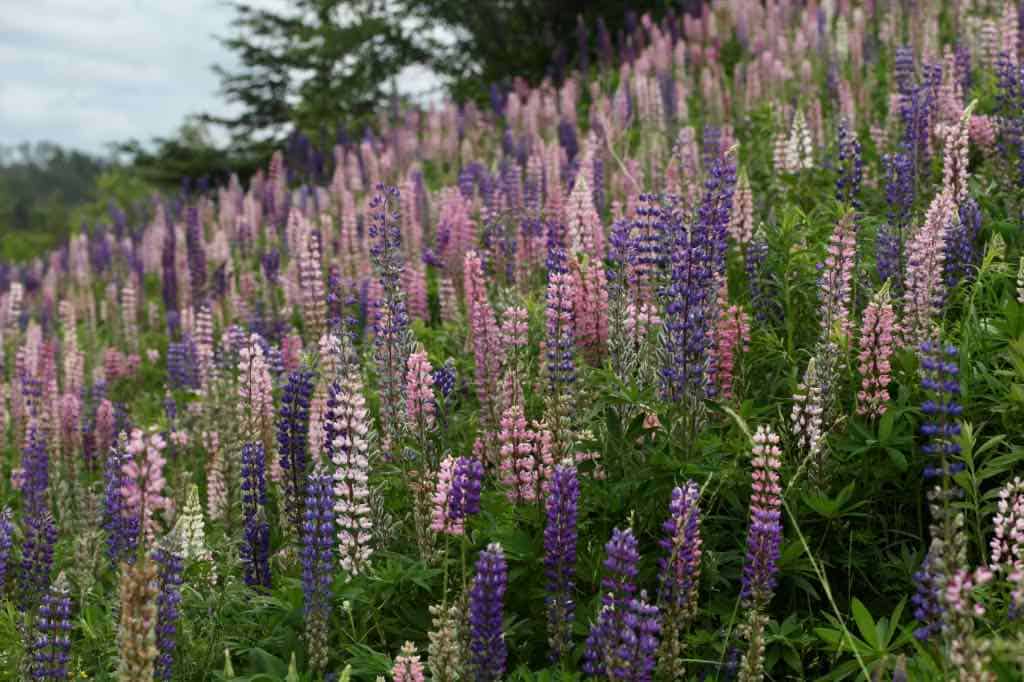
(84, 73)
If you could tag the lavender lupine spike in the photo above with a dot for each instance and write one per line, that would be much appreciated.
(293, 443)
(51, 647)
(196, 255)
(560, 557)
(318, 543)
(899, 195)
(255, 551)
(170, 565)
(679, 574)
(487, 649)
(392, 340)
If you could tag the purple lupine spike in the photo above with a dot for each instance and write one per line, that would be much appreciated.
(196, 255)
(50, 649)
(36, 471)
(169, 573)
(560, 557)
(899, 195)
(122, 529)
(962, 252)
(487, 649)
(851, 166)
(680, 570)
(170, 274)
(392, 340)
(293, 443)
(6, 541)
(764, 534)
(318, 550)
(36, 559)
(941, 381)
(464, 496)
(255, 551)
(624, 637)
(926, 600)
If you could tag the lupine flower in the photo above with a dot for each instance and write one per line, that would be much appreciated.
(35, 462)
(559, 344)
(464, 495)
(623, 640)
(874, 352)
(293, 443)
(121, 527)
(926, 600)
(486, 338)
(419, 393)
(6, 541)
(487, 648)
(899, 195)
(764, 535)
(407, 666)
(1020, 281)
(741, 224)
(136, 632)
(969, 655)
(391, 326)
(255, 393)
(1007, 544)
(441, 520)
(836, 284)
(591, 309)
(851, 167)
(517, 461)
(169, 562)
(347, 444)
(142, 485)
(807, 417)
(36, 558)
(189, 528)
(560, 557)
(962, 252)
(255, 551)
(444, 653)
(314, 301)
(50, 648)
(318, 542)
(730, 336)
(196, 255)
(941, 409)
(679, 573)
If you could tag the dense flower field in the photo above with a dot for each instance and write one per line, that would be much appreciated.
(705, 360)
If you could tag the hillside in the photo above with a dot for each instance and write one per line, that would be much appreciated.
(704, 361)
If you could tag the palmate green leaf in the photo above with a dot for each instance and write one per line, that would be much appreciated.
(865, 623)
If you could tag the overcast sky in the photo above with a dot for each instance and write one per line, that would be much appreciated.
(86, 72)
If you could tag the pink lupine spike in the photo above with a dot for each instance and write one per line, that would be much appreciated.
(143, 488)
(875, 348)
(517, 461)
(419, 392)
(837, 277)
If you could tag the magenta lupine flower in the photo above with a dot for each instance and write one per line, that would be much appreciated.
(764, 535)
(837, 277)
(419, 392)
(874, 354)
(291, 352)
(487, 649)
(143, 484)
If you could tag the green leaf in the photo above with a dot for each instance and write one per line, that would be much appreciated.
(865, 623)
